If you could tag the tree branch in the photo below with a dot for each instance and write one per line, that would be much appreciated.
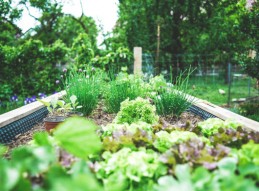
(30, 13)
(81, 4)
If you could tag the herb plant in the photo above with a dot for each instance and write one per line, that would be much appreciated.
(85, 87)
(174, 100)
(120, 89)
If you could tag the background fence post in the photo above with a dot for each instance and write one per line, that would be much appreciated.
(137, 60)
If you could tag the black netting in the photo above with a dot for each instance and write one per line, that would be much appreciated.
(200, 112)
(8, 132)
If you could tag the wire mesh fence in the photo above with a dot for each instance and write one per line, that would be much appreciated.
(213, 79)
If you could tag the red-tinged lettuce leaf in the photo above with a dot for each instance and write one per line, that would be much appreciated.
(122, 138)
(78, 137)
(234, 137)
(194, 152)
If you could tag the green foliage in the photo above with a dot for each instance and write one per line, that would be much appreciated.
(248, 160)
(131, 167)
(58, 107)
(74, 133)
(8, 16)
(182, 183)
(249, 109)
(34, 62)
(165, 140)
(223, 179)
(113, 59)
(248, 154)
(136, 110)
(40, 160)
(121, 138)
(174, 100)
(212, 125)
(186, 27)
(82, 50)
(74, 103)
(85, 86)
(120, 89)
(126, 165)
(132, 128)
(158, 82)
(249, 27)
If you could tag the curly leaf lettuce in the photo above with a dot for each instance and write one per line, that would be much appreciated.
(165, 140)
(212, 125)
(130, 166)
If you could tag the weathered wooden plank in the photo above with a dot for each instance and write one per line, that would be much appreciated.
(24, 111)
(226, 114)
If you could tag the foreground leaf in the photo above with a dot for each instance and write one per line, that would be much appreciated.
(77, 136)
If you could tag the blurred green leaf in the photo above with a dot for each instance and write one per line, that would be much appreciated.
(9, 176)
(78, 137)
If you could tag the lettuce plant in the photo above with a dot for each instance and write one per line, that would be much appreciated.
(249, 154)
(165, 140)
(157, 83)
(136, 110)
(115, 136)
(201, 179)
(129, 128)
(212, 125)
(129, 168)
(195, 152)
(248, 161)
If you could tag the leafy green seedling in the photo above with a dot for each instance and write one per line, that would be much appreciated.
(74, 103)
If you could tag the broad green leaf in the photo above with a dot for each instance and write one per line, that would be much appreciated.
(9, 176)
(23, 184)
(42, 139)
(61, 103)
(79, 178)
(77, 136)
(182, 183)
(73, 99)
(227, 166)
(34, 160)
(78, 183)
(116, 182)
(44, 102)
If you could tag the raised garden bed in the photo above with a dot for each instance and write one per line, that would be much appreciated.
(135, 149)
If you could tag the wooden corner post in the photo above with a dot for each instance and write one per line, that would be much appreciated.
(137, 60)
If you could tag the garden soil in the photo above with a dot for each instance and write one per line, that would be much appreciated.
(103, 118)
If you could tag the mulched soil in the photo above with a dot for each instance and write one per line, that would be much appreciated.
(103, 118)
